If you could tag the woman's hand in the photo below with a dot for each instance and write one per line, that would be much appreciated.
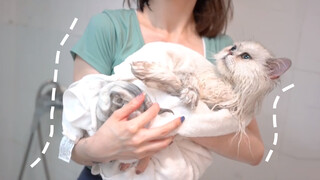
(120, 139)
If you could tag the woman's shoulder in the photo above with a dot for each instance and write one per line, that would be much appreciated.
(117, 20)
(122, 16)
(119, 12)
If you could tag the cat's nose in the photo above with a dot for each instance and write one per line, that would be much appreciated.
(230, 53)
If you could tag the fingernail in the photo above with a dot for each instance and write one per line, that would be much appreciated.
(182, 119)
(138, 172)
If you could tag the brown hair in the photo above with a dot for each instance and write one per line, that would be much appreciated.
(211, 16)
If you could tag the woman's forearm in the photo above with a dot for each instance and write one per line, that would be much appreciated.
(80, 152)
(250, 149)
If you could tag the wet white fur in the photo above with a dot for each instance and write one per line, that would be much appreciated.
(233, 83)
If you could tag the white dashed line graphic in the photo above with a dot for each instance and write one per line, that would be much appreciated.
(51, 131)
(53, 95)
(55, 75)
(269, 155)
(57, 57)
(35, 162)
(274, 121)
(45, 148)
(65, 38)
(275, 103)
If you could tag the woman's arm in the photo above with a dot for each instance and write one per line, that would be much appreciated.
(119, 138)
(81, 68)
(250, 150)
(80, 152)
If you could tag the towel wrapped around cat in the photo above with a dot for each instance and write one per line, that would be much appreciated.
(183, 159)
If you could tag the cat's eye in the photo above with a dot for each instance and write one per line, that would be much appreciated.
(245, 56)
(233, 48)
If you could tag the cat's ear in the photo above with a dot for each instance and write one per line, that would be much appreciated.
(278, 66)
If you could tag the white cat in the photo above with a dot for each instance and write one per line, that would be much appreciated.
(244, 73)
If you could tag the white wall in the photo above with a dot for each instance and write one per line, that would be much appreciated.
(289, 28)
(30, 33)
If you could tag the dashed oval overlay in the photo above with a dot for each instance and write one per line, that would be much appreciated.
(53, 95)
(274, 120)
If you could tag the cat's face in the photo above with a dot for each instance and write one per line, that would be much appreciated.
(249, 62)
(242, 60)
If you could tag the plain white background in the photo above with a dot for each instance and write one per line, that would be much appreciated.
(30, 35)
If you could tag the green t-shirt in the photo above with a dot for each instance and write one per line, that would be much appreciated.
(113, 35)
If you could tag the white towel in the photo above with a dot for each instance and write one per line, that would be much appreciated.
(183, 159)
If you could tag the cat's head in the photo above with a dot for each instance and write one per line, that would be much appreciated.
(252, 71)
(249, 63)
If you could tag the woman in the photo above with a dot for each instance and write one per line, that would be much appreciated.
(112, 36)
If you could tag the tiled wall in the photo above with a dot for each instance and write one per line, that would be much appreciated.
(30, 33)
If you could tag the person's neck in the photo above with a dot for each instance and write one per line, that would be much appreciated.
(172, 16)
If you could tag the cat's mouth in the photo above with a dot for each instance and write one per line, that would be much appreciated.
(225, 61)
(225, 57)
(227, 64)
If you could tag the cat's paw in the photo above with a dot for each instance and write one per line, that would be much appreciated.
(190, 96)
(141, 69)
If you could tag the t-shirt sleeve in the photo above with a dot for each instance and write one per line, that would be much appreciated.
(216, 44)
(224, 41)
(97, 45)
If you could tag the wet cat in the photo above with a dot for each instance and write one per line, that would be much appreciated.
(243, 74)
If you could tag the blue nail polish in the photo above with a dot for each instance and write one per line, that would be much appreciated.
(182, 119)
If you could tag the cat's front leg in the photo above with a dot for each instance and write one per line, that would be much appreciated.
(177, 83)
(157, 76)
(189, 94)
